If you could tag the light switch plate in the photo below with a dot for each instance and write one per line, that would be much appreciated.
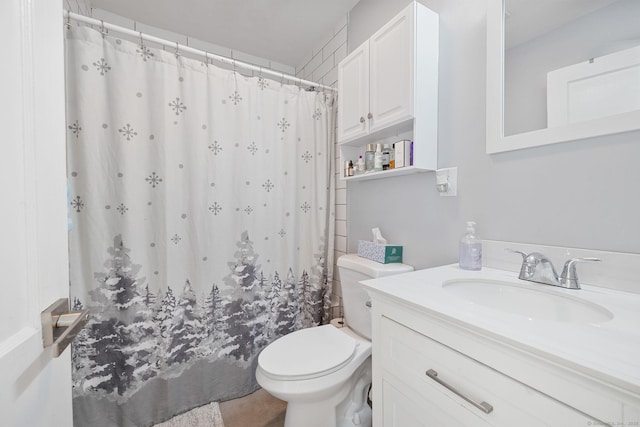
(447, 181)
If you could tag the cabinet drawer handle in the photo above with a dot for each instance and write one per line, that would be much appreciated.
(483, 406)
(362, 119)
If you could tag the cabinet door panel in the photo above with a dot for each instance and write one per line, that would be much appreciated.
(353, 94)
(391, 72)
(401, 409)
(407, 355)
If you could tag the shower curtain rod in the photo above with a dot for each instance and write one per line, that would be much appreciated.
(182, 48)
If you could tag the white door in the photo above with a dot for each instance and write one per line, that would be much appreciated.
(353, 94)
(391, 69)
(35, 388)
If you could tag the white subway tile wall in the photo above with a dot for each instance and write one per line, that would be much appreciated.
(321, 65)
(83, 7)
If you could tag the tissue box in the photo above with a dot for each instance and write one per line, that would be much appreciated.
(384, 254)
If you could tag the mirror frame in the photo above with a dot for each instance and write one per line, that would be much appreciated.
(497, 142)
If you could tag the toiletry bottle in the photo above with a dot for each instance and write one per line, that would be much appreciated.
(377, 161)
(360, 165)
(470, 249)
(392, 157)
(369, 156)
(350, 168)
(385, 156)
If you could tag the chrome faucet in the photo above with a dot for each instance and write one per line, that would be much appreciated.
(538, 268)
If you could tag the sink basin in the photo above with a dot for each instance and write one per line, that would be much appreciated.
(522, 300)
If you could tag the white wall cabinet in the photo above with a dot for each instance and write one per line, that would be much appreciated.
(353, 94)
(509, 386)
(388, 90)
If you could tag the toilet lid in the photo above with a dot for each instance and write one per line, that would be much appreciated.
(307, 353)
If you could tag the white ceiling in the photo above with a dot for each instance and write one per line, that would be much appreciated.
(284, 31)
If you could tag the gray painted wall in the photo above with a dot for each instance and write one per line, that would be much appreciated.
(582, 194)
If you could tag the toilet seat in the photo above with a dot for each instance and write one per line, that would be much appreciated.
(307, 353)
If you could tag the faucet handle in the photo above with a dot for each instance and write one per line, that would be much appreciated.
(524, 255)
(569, 276)
(526, 270)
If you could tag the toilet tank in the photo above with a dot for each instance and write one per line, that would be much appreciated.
(352, 268)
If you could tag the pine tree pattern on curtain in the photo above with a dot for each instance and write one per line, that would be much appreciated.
(202, 210)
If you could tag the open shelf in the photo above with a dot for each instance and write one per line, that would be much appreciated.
(408, 170)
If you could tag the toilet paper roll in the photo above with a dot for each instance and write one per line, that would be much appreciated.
(338, 322)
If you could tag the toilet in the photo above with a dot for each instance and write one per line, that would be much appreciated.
(324, 373)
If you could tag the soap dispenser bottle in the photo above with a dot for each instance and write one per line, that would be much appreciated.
(470, 256)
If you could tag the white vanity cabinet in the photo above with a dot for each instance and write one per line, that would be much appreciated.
(388, 88)
(413, 360)
(413, 347)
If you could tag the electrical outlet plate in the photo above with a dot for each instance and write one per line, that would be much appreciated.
(447, 181)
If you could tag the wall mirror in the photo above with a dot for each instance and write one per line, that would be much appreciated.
(561, 71)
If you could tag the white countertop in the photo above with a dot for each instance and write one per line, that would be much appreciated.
(609, 351)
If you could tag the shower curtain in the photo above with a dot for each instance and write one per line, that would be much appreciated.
(201, 225)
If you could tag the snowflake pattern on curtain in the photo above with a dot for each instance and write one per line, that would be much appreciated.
(200, 227)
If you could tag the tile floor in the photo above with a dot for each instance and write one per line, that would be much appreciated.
(258, 409)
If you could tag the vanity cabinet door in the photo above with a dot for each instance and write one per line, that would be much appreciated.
(405, 408)
(353, 98)
(407, 356)
(392, 56)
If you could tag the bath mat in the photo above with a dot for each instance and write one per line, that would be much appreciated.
(204, 416)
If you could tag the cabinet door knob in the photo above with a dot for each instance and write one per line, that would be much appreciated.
(361, 119)
(369, 116)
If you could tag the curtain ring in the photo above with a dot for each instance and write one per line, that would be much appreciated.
(177, 50)
(141, 39)
(68, 19)
(206, 58)
(102, 29)
(260, 73)
(282, 79)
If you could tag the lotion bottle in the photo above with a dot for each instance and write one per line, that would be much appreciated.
(361, 167)
(369, 157)
(470, 255)
(377, 162)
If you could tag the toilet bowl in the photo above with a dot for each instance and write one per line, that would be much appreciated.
(324, 372)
